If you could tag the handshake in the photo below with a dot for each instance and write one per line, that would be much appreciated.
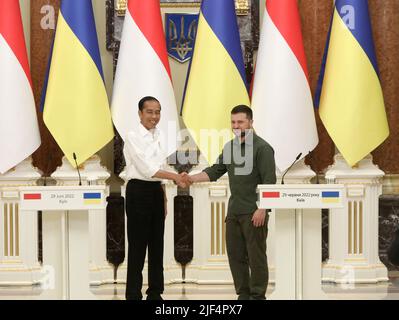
(183, 180)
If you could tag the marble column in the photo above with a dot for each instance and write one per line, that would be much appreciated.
(43, 22)
(316, 16)
(19, 265)
(353, 251)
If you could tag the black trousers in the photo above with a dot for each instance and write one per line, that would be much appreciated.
(145, 228)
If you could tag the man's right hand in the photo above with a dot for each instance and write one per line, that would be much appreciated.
(186, 179)
(183, 180)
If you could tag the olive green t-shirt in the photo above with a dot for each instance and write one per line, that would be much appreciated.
(248, 164)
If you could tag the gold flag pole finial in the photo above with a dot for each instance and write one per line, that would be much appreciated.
(121, 7)
(242, 7)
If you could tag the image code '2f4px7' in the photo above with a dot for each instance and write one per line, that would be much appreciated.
(201, 310)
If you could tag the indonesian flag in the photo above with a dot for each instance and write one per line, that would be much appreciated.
(282, 100)
(143, 70)
(19, 131)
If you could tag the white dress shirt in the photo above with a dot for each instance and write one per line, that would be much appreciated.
(144, 153)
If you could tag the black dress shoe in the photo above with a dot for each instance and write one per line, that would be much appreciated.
(154, 297)
(257, 298)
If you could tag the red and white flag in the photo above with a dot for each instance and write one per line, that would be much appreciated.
(143, 70)
(282, 100)
(19, 130)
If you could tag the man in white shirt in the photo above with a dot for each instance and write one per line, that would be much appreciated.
(145, 157)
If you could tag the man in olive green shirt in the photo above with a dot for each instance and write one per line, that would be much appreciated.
(249, 161)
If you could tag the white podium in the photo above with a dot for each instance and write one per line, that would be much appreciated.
(65, 236)
(298, 236)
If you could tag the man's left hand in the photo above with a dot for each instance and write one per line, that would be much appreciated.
(259, 217)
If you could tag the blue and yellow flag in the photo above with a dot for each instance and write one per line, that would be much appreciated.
(216, 82)
(351, 101)
(76, 108)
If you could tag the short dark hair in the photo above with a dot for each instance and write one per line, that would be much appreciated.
(144, 100)
(243, 109)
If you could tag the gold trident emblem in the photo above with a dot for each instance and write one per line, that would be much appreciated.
(182, 45)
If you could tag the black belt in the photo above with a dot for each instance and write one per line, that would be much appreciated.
(144, 182)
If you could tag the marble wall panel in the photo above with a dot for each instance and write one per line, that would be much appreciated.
(316, 17)
(388, 224)
(43, 21)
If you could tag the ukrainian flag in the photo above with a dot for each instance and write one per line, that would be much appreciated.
(330, 197)
(76, 108)
(92, 198)
(351, 102)
(216, 82)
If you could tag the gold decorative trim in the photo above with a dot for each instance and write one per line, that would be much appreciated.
(223, 228)
(16, 230)
(355, 227)
(10, 194)
(11, 262)
(217, 228)
(242, 7)
(360, 227)
(7, 185)
(349, 227)
(20, 270)
(212, 228)
(218, 260)
(355, 260)
(5, 212)
(181, 5)
(11, 208)
(121, 7)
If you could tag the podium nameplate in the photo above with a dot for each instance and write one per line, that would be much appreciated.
(297, 225)
(300, 197)
(63, 198)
